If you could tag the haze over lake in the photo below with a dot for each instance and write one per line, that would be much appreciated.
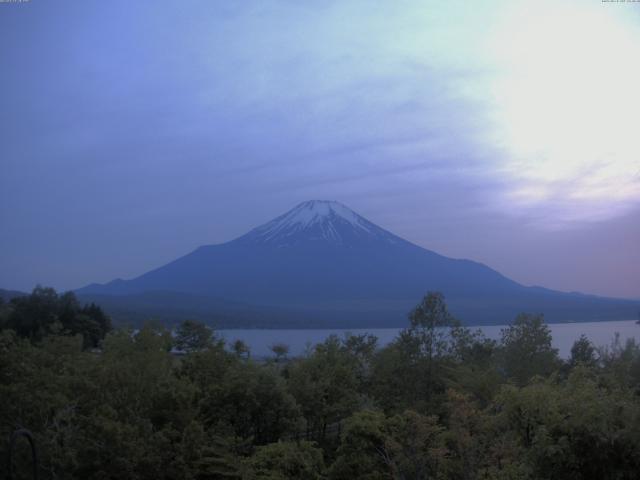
(564, 334)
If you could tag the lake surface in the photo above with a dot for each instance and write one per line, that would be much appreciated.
(564, 334)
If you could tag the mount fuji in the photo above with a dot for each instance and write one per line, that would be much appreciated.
(323, 265)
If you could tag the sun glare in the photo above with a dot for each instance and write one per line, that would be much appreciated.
(567, 98)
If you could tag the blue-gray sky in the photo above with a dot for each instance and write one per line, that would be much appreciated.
(132, 132)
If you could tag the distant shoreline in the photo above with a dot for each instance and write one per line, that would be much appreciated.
(564, 334)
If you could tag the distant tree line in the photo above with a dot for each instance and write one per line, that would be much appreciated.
(439, 402)
(45, 312)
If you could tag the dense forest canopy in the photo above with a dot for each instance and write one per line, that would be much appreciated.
(439, 402)
(45, 312)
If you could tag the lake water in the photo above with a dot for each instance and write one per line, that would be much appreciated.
(564, 334)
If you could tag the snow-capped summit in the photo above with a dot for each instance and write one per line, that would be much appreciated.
(317, 220)
(315, 211)
(322, 264)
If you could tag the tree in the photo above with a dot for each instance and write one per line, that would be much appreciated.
(467, 437)
(621, 362)
(398, 378)
(431, 323)
(193, 336)
(250, 401)
(361, 443)
(361, 349)
(100, 319)
(325, 386)
(582, 352)
(286, 461)
(475, 368)
(574, 429)
(44, 312)
(208, 456)
(206, 367)
(412, 370)
(35, 316)
(404, 446)
(415, 446)
(241, 349)
(527, 350)
(280, 350)
(4, 314)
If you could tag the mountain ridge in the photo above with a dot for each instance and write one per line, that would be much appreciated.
(323, 258)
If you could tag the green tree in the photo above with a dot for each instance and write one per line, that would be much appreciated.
(325, 386)
(430, 323)
(209, 456)
(280, 350)
(360, 452)
(36, 315)
(621, 363)
(206, 367)
(361, 349)
(398, 375)
(44, 312)
(527, 350)
(431, 326)
(582, 352)
(98, 318)
(404, 446)
(415, 447)
(241, 349)
(286, 461)
(4, 314)
(36, 385)
(192, 336)
(468, 437)
(250, 401)
(413, 371)
(475, 368)
(574, 429)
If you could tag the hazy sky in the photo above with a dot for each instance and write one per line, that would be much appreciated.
(132, 132)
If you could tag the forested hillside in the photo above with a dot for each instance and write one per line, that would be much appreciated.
(440, 402)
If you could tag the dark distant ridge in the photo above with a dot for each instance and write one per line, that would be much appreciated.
(7, 295)
(321, 264)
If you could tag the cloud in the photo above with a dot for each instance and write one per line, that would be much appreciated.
(194, 121)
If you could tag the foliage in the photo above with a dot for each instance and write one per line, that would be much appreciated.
(325, 385)
(574, 429)
(407, 445)
(44, 312)
(582, 352)
(241, 349)
(414, 370)
(193, 336)
(251, 402)
(622, 363)
(439, 402)
(430, 323)
(527, 350)
(286, 460)
(280, 350)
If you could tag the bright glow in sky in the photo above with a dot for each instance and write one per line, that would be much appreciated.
(504, 131)
(567, 99)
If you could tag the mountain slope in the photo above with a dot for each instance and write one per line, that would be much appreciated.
(324, 259)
